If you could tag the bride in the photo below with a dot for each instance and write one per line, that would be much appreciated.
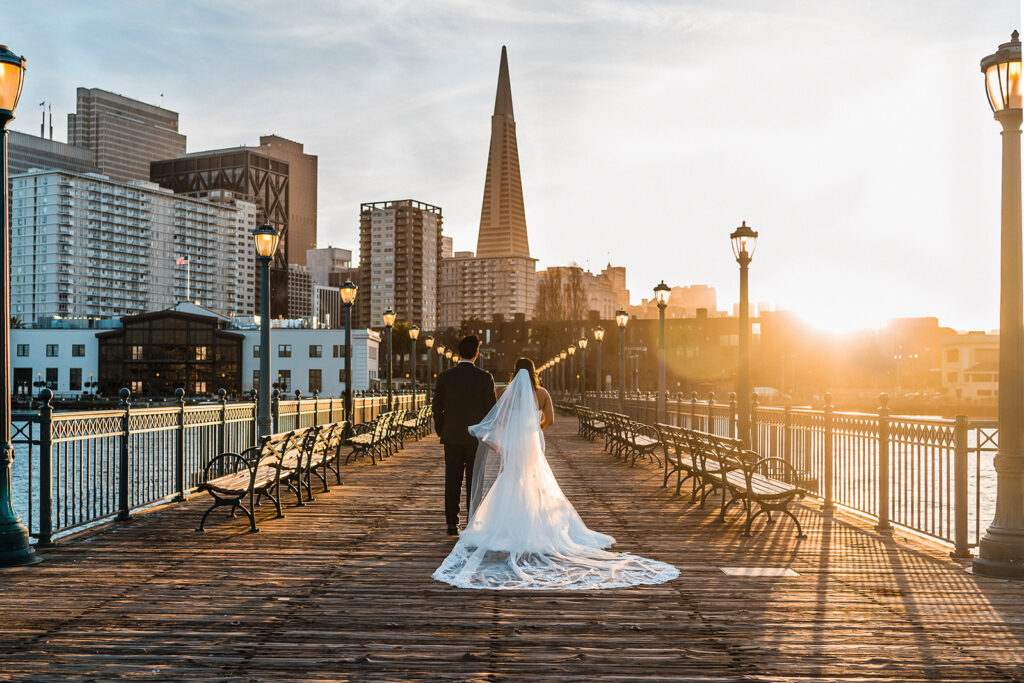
(523, 533)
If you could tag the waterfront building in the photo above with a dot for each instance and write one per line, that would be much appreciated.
(302, 193)
(684, 302)
(186, 346)
(249, 174)
(500, 278)
(399, 262)
(970, 367)
(86, 245)
(571, 293)
(27, 152)
(124, 134)
(328, 310)
(325, 262)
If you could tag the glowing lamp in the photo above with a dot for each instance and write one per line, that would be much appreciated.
(661, 293)
(348, 292)
(1002, 76)
(744, 241)
(389, 317)
(621, 318)
(429, 342)
(266, 240)
(583, 343)
(414, 332)
(12, 78)
(599, 333)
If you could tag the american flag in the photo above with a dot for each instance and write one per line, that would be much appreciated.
(181, 261)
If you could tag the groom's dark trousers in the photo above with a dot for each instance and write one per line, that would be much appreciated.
(463, 396)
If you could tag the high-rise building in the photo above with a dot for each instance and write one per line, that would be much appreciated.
(125, 134)
(251, 175)
(302, 170)
(399, 262)
(84, 245)
(300, 291)
(322, 263)
(447, 247)
(26, 152)
(500, 279)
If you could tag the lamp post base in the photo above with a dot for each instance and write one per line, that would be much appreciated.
(15, 550)
(1001, 554)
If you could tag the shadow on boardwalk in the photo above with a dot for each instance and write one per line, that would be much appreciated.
(341, 590)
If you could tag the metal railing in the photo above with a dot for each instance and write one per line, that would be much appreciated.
(76, 469)
(930, 475)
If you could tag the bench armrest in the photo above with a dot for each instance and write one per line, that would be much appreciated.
(234, 462)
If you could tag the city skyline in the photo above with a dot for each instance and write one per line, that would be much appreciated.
(859, 143)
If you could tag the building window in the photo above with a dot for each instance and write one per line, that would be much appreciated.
(256, 379)
(284, 350)
(51, 379)
(201, 353)
(339, 350)
(136, 352)
(78, 350)
(256, 351)
(22, 350)
(315, 351)
(284, 380)
(200, 387)
(315, 380)
(52, 350)
(75, 383)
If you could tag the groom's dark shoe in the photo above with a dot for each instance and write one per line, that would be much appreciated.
(453, 531)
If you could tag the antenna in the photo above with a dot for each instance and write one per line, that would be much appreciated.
(50, 108)
(42, 124)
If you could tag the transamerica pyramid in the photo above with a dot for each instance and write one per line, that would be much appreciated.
(503, 218)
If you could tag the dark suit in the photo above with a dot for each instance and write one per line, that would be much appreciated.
(463, 396)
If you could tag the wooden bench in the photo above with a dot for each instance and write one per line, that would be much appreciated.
(418, 423)
(676, 448)
(254, 473)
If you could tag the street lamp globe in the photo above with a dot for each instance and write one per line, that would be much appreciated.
(744, 241)
(348, 292)
(661, 294)
(583, 342)
(12, 78)
(599, 333)
(429, 342)
(621, 318)
(563, 355)
(389, 317)
(1002, 76)
(266, 239)
(572, 350)
(414, 332)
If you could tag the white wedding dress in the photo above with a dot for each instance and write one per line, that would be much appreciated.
(523, 532)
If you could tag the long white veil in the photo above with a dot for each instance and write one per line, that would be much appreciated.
(511, 427)
(523, 533)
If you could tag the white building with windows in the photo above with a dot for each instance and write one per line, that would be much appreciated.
(85, 245)
(970, 366)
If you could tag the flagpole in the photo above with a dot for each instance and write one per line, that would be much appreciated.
(188, 279)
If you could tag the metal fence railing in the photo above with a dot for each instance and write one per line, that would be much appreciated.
(75, 469)
(934, 476)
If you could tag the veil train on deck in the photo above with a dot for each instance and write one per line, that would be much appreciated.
(523, 533)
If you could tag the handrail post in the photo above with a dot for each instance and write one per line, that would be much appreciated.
(732, 414)
(316, 406)
(752, 422)
(787, 433)
(179, 450)
(829, 506)
(693, 409)
(883, 464)
(45, 469)
(275, 409)
(255, 435)
(222, 431)
(707, 422)
(960, 475)
(122, 468)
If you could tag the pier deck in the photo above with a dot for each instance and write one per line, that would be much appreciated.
(341, 590)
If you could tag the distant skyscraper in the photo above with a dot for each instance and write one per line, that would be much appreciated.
(250, 174)
(82, 245)
(25, 152)
(322, 263)
(302, 170)
(500, 280)
(125, 134)
(399, 262)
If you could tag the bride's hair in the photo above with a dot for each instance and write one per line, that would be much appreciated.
(525, 364)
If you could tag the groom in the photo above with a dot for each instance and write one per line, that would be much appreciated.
(463, 396)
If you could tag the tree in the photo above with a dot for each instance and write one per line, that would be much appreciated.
(16, 323)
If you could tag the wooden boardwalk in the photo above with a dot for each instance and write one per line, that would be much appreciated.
(341, 590)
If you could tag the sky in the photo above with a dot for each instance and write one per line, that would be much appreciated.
(854, 135)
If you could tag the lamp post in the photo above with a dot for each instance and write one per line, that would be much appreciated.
(744, 241)
(429, 343)
(1001, 550)
(583, 369)
(598, 384)
(440, 358)
(621, 318)
(15, 548)
(389, 321)
(414, 334)
(348, 297)
(562, 355)
(661, 294)
(572, 370)
(266, 239)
